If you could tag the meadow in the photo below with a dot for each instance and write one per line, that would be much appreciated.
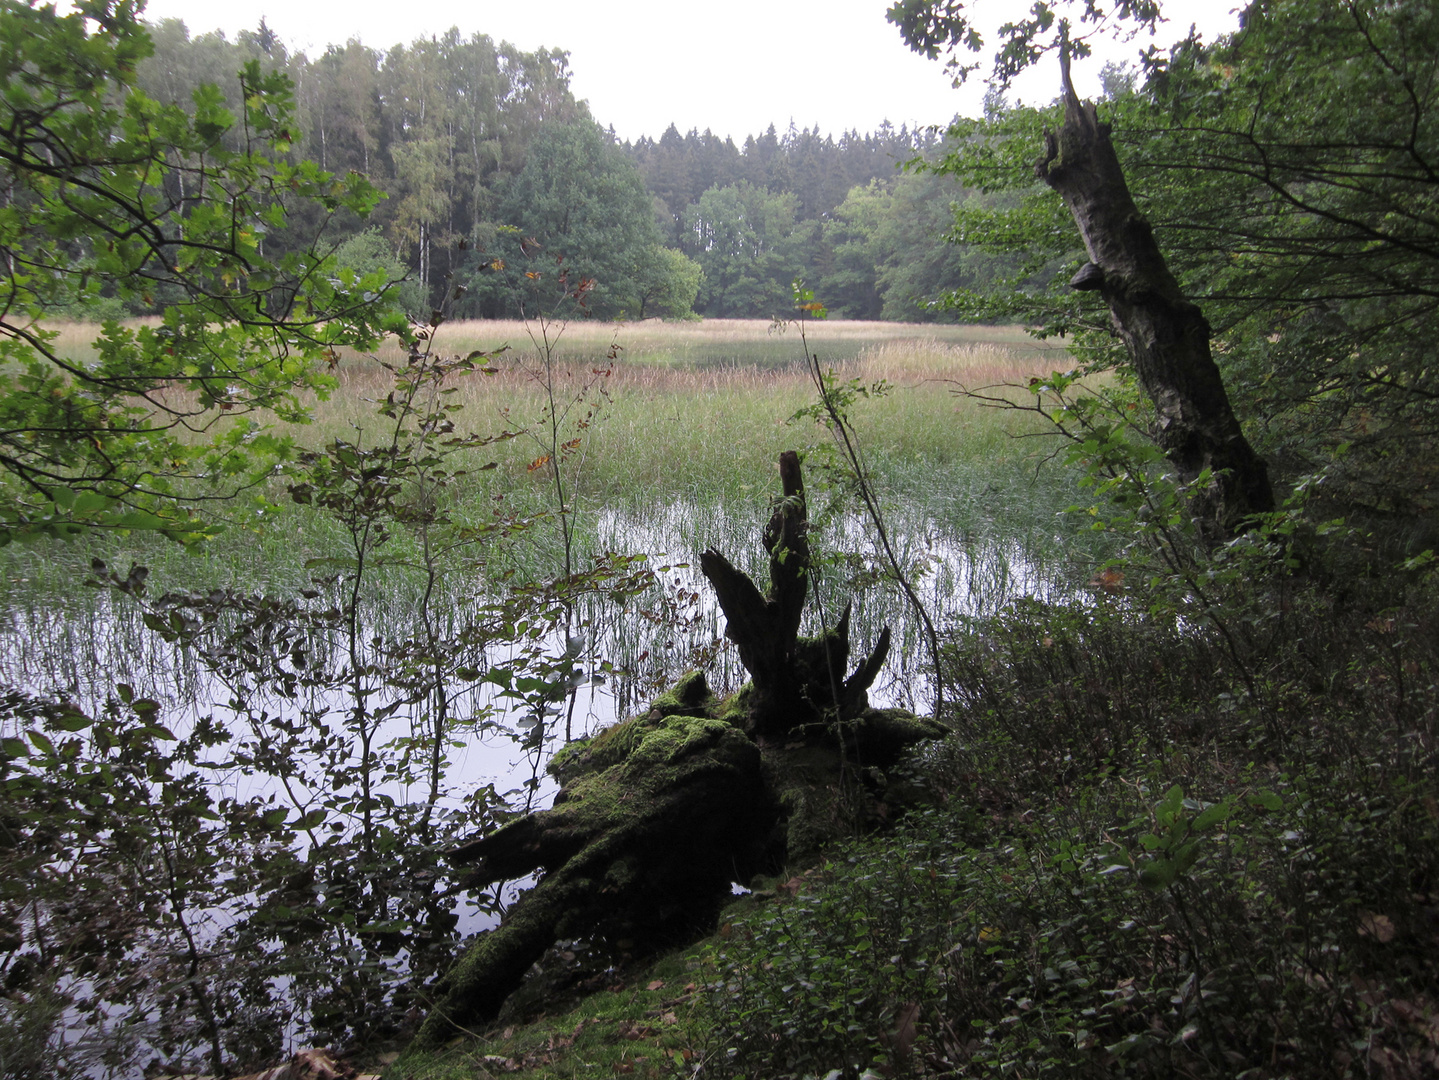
(668, 435)
(668, 415)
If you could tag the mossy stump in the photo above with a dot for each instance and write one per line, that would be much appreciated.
(659, 814)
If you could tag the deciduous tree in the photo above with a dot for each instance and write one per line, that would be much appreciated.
(107, 192)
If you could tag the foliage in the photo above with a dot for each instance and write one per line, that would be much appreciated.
(111, 194)
(1141, 869)
(445, 125)
(367, 253)
(893, 254)
(596, 1019)
(667, 286)
(746, 241)
(581, 202)
(1291, 216)
(441, 124)
(944, 27)
(273, 868)
(1304, 218)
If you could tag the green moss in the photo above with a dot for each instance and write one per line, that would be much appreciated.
(635, 759)
(637, 1026)
(735, 709)
(690, 696)
(608, 747)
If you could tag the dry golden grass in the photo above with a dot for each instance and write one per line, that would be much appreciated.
(729, 341)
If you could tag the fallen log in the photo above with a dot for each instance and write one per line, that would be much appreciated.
(658, 815)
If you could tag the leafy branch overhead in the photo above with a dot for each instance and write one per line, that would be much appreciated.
(112, 194)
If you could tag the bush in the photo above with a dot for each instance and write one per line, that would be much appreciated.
(1170, 847)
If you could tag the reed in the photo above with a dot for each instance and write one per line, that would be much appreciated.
(711, 342)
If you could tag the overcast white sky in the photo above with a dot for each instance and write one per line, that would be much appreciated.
(734, 66)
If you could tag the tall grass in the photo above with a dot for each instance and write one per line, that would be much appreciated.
(715, 342)
(679, 457)
(674, 431)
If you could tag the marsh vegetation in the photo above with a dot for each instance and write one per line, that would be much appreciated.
(444, 636)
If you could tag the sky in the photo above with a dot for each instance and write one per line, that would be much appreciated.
(733, 66)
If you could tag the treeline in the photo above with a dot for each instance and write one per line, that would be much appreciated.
(868, 237)
(499, 181)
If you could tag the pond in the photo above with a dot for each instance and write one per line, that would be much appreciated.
(311, 781)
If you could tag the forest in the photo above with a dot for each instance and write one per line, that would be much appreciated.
(469, 138)
(485, 598)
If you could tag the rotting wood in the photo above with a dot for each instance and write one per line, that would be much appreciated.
(659, 814)
(796, 681)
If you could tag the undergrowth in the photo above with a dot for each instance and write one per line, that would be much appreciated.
(1152, 854)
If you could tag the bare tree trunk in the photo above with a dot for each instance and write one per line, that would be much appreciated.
(1166, 334)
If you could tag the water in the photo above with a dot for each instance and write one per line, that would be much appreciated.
(79, 644)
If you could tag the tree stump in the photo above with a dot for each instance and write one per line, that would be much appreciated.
(659, 814)
(797, 682)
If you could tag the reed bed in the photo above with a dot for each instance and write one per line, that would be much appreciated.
(708, 342)
(665, 430)
(696, 441)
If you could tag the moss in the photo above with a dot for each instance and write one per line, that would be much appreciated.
(736, 708)
(657, 815)
(487, 971)
(570, 760)
(880, 737)
(690, 696)
(807, 780)
(634, 1024)
(647, 845)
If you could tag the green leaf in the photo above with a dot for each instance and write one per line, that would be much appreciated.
(73, 721)
(1213, 815)
(1266, 800)
(1158, 875)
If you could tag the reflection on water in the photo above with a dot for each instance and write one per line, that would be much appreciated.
(80, 644)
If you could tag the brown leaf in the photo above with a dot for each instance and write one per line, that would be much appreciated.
(1109, 581)
(658, 984)
(1378, 927)
(905, 1018)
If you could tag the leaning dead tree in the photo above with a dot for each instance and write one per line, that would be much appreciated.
(657, 815)
(1165, 333)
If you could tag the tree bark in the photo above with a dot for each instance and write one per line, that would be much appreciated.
(796, 681)
(1165, 334)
